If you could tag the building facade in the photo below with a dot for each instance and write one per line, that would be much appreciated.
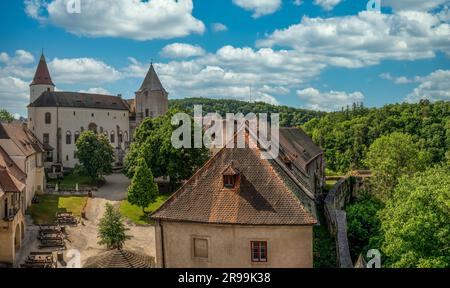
(238, 211)
(58, 118)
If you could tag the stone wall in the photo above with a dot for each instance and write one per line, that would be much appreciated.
(335, 202)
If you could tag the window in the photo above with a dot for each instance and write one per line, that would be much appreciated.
(229, 181)
(120, 137)
(67, 157)
(92, 115)
(200, 248)
(77, 135)
(74, 113)
(68, 138)
(112, 137)
(259, 251)
(48, 89)
(49, 156)
(48, 118)
(146, 112)
(46, 138)
(75, 156)
(82, 129)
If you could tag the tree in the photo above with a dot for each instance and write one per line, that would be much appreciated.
(152, 141)
(415, 221)
(143, 189)
(391, 157)
(111, 230)
(95, 154)
(5, 116)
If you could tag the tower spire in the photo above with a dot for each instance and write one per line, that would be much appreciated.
(42, 75)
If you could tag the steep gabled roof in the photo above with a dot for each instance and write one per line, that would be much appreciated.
(12, 178)
(42, 75)
(151, 81)
(80, 100)
(266, 195)
(22, 137)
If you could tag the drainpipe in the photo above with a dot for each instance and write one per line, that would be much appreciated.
(163, 257)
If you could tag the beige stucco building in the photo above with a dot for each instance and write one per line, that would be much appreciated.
(240, 211)
(12, 224)
(58, 118)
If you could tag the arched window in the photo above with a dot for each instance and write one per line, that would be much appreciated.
(68, 138)
(48, 118)
(113, 139)
(126, 136)
(101, 130)
(120, 137)
(82, 129)
(77, 135)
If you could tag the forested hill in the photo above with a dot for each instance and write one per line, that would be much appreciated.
(289, 116)
(347, 135)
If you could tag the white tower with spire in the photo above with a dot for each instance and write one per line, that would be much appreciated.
(42, 81)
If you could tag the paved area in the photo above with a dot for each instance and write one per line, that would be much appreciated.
(84, 236)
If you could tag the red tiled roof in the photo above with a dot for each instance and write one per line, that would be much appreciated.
(265, 194)
(24, 139)
(12, 179)
(42, 75)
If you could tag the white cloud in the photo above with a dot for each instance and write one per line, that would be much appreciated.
(181, 50)
(365, 39)
(327, 4)
(328, 101)
(16, 65)
(259, 7)
(297, 2)
(96, 90)
(416, 5)
(139, 20)
(219, 27)
(435, 86)
(14, 93)
(82, 70)
(396, 80)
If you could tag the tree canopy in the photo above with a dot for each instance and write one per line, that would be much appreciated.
(143, 189)
(6, 116)
(111, 230)
(95, 153)
(152, 142)
(415, 221)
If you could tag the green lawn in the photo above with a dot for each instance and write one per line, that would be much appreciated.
(135, 214)
(44, 212)
(69, 181)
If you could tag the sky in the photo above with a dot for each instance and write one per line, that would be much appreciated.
(313, 54)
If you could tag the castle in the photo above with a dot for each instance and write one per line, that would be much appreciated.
(58, 118)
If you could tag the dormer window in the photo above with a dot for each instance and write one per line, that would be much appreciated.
(229, 181)
(230, 177)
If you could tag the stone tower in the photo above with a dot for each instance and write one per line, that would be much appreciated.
(42, 81)
(151, 99)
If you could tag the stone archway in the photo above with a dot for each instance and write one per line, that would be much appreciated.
(17, 239)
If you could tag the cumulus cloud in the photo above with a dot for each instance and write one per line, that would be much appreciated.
(259, 7)
(219, 27)
(435, 86)
(328, 101)
(416, 5)
(396, 80)
(139, 20)
(181, 50)
(16, 65)
(297, 2)
(327, 4)
(14, 93)
(365, 39)
(96, 90)
(82, 70)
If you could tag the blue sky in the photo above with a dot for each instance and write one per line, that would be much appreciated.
(316, 54)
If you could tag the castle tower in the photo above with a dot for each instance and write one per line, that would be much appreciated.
(151, 99)
(42, 81)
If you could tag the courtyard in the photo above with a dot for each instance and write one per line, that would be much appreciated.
(84, 236)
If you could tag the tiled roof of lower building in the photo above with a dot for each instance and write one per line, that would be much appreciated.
(12, 178)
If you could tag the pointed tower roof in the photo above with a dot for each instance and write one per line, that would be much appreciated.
(151, 81)
(42, 75)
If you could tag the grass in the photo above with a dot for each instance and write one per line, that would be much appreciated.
(324, 244)
(134, 213)
(45, 211)
(69, 181)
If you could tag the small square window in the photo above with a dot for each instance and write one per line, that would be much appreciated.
(259, 251)
(229, 181)
(200, 248)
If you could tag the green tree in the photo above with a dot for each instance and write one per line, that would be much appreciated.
(95, 154)
(415, 221)
(152, 141)
(143, 189)
(5, 116)
(391, 157)
(111, 230)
